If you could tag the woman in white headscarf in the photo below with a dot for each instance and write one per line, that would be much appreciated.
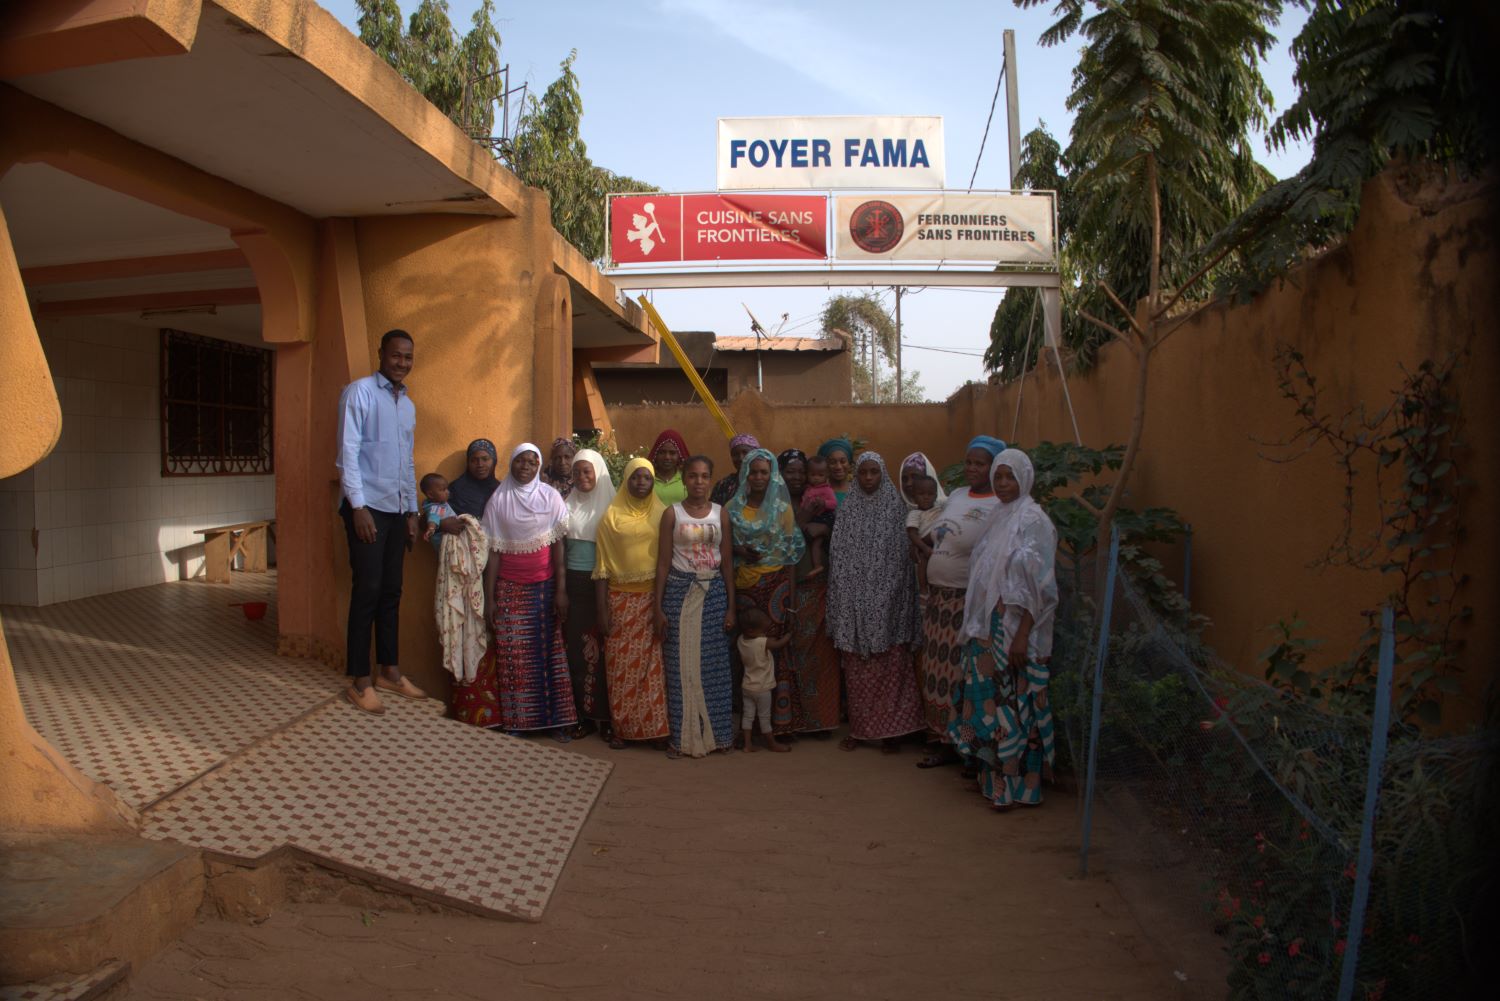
(1003, 718)
(526, 598)
(589, 498)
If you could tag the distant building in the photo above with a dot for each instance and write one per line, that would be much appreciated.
(785, 369)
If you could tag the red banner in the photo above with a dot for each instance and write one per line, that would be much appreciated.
(673, 229)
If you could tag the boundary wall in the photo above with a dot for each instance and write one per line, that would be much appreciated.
(1414, 280)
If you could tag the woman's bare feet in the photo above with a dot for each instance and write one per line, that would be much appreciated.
(748, 744)
(772, 744)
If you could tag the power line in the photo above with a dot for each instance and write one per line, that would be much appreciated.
(946, 351)
(993, 101)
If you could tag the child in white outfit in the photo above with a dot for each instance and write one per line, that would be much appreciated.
(760, 675)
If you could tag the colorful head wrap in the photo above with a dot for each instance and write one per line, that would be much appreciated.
(676, 439)
(994, 446)
(833, 445)
(482, 445)
(628, 534)
(773, 532)
(743, 439)
(790, 455)
(920, 462)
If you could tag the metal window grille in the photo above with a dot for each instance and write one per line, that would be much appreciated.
(215, 407)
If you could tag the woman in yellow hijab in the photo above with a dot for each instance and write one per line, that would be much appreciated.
(625, 581)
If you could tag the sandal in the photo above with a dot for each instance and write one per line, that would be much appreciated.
(934, 761)
(562, 736)
(673, 753)
(848, 744)
(616, 743)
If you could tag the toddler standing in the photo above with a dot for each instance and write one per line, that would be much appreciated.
(760, 675)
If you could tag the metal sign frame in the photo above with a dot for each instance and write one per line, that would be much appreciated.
(830, 273)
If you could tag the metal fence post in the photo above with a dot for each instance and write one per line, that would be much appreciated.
(1106, 611)
(1187, 564)
(1379, 729)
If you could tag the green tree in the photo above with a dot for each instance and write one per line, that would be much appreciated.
(1377, 81)
(459, 76)
(872, 332)
(1164, 96)
(462, 78)
(549, 153)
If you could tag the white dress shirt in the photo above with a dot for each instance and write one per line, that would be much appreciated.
(377, 432)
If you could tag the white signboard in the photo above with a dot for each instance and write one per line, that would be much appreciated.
(995, 227)
(830, 152)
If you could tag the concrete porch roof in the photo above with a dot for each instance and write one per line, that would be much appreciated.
(278, 98)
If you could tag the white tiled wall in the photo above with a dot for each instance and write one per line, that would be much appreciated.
(97, 515)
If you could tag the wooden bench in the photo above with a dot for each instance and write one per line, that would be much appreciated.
(223, 543)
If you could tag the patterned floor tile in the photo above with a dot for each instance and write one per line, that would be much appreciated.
(146, 689)
(135, 689)
(475, 818)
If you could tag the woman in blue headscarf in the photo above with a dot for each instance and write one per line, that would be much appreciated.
(941, 667)
(767, 543)
(840, 455)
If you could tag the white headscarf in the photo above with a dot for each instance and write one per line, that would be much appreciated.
(524, 517)
(942, 495)
(1014, 562)
(872, 586)
(585, 510)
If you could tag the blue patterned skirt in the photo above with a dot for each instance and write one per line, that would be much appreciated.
(700, 687)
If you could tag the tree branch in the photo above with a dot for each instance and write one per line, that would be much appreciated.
(1112, 329)
(1121, 307)
(1191, 282)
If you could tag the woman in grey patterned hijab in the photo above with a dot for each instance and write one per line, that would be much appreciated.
(872, 608)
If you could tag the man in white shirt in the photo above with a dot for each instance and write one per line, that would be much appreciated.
(377, 431)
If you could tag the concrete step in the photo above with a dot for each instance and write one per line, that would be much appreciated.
(73, 904)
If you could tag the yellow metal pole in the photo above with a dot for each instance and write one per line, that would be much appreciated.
(687, 368)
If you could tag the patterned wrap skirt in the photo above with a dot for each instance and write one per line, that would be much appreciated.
(812, 675)
(695, 654)
(633, 664)
(883, 699)
(772, 594)
(941, 669)
(478, 702)
(586, 649)
(1003, 722)
(531, 662)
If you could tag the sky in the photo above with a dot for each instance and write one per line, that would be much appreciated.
(656, 75)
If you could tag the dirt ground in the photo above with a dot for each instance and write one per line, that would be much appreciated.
(814, 874)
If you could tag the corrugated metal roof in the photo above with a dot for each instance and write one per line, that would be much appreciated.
(780, 344)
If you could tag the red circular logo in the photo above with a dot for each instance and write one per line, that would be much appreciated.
(876, 227)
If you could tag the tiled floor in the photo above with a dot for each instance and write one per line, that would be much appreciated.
(135, 689)
(454, 813)
(146, 689)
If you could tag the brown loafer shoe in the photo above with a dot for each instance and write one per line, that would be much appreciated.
(404, 687)
(365, 701)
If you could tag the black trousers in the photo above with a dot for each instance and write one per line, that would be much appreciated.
(375, 599)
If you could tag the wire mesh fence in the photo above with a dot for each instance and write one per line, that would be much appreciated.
(1324, 878)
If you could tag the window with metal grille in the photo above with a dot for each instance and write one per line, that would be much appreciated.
(215, 407)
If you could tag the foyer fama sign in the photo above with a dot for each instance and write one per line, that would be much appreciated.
(1002, 228)
(866, 151)
(702, 228)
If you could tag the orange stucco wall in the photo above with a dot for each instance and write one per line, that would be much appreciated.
(1414, 280)
(467, 290)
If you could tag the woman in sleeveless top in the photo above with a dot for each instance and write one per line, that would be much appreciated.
(694, 616)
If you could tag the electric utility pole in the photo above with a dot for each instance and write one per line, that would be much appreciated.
(899, 292)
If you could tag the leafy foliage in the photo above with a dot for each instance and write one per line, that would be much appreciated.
(462, 77)
(1377, 81)
(459, 76)
(873, 331)
(1165, 94)
(1410, 454)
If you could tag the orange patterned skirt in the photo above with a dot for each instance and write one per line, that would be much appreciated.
(633, 665)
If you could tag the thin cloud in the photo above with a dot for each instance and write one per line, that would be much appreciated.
(799, 41)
